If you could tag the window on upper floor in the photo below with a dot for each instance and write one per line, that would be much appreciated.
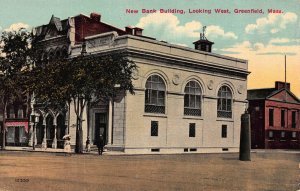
(20, 113)
(155, 95)
(271, 117)
(224, 108)
(293, 119)
(11, 113)
(192, 99)
(282, 118)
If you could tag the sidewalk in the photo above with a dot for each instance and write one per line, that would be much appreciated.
(291, 151)
(94, 151)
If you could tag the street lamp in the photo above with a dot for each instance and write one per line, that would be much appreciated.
(35, 120)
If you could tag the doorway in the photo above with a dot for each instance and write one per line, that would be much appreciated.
(100, 127)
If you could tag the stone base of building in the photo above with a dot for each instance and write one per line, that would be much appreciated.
(181, 150)
(114, 148)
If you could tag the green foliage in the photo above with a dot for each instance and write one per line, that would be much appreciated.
(82, 80)
(88, 78)
(15, 59)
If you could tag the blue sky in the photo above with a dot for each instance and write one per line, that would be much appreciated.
(262, 39)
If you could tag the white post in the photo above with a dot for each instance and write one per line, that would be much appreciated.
(54, 142)
(30, 143)
(44, 144)
(109, 142)
(32, 102)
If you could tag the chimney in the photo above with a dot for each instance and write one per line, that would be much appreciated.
(134, 31)
(280, 85)
(95, 16)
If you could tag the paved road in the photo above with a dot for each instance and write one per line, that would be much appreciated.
(54, 171)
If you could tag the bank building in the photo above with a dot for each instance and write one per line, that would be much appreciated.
(186, 100)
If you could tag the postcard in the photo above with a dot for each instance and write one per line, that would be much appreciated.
(149, 95)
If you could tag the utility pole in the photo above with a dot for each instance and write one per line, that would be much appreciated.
(285, 88)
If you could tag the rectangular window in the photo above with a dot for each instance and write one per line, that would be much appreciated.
(12, 113)
(294, 135)
(282, 118)
(271, 135)
(192, 130)
(224, 131)
(293, 119)
(282, 134)
(154, 128)
(20, 113)
(271, 117)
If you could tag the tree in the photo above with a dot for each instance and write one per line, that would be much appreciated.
(82, 81)
(14, 61)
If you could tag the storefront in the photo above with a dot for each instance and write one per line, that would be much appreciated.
(17, 134)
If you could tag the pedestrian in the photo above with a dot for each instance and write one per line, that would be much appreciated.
(67, 145)
(100, 144)
(88, 145)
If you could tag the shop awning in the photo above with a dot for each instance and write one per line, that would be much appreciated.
(18, 124)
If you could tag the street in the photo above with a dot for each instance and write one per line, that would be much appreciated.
(268, 170)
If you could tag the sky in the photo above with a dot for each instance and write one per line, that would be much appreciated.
(261, 38)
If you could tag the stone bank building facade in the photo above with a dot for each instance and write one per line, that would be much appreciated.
(186, 100)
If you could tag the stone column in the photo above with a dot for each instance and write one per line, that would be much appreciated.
(44, 143)
(34, 134)
(30, 143)
(32, 102)
(54, 142)
(110, 121)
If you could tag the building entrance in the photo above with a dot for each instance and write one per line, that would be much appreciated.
(100, 127)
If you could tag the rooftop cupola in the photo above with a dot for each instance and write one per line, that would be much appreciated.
(203, 44)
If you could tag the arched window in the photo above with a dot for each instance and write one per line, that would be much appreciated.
(192, 99)
(65, 53)
(155, 95)
(57, 54)
(51, 56)
(224, 102)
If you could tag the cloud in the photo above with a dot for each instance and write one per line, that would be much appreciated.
(216, 31)
(16, 27)
(273, 23)
(168, 26)
(266, 62)
(279, 40)
(247, 48)
(258, 46)
(179, 44)
(283, 41)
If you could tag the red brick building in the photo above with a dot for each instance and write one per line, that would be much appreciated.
(275, 119)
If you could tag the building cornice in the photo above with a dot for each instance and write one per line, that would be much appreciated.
(183, 62)
(182, 48)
